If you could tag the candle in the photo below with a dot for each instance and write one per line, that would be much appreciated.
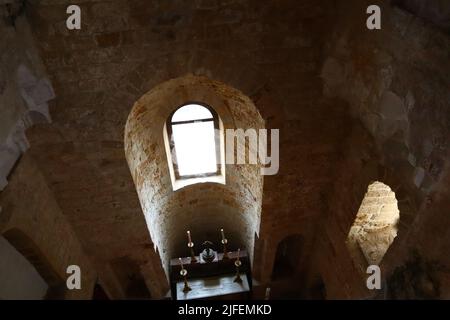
(239, 251)
(223, 234)
(181, 262)
(267, 295)
(189, 236)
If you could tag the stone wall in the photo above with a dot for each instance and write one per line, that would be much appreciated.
(353, 106)
(395, 80)
(269, 52)
(24, 89)
(202, 208)
(18, 277)
(33, 222)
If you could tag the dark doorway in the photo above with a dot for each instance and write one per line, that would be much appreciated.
(99, 293)
(317, 290)
(287, 257)
(129, 274)
(31, 252)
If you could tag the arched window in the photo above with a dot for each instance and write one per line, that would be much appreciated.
(375, 226)
(194, 144)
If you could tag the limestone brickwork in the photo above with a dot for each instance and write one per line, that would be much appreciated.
(353, 106)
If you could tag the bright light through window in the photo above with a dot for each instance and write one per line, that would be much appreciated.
(193, 134)
(191, 112)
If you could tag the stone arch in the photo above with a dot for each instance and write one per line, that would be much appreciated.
(19, 278)
(30, 250)
(202, 208)
(39, 229)
(287, 257)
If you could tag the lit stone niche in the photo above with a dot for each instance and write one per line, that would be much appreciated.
(375, 226)
(203, 208)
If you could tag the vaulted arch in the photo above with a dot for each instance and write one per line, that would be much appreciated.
(31, 252)
(203, 208)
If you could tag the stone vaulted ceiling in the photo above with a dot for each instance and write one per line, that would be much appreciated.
(352, 106)
(125, 48)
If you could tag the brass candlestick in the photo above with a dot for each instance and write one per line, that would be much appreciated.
(183, 273)
(238, 263)
(225, 252)
(191, 247)
(224, 243)
(267, 295)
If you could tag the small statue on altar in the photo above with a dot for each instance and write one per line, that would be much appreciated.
(208, 254)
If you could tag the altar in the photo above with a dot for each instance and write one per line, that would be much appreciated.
(216, 279)
(217, 287)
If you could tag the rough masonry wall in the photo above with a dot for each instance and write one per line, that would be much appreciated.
(24, 90)
(29, 208)
(274, 52)
(270, 51)
(202, 208)
(395, 80)
(18, 277)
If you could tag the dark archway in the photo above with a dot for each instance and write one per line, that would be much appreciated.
(30, 251)
(98, 293)
(287, 257)
(130, 277)
(317, 290)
